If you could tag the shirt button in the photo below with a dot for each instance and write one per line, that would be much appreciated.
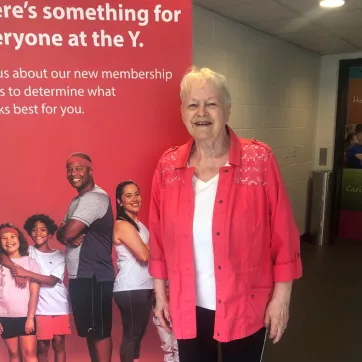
(218, 234)
(252, 296)
(219, 267)
(218, 334)
(226, 170)
(219, 301)
(298, 254)
(220, 201)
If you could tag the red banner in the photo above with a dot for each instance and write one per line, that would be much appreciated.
(101, 78)
(95, 77)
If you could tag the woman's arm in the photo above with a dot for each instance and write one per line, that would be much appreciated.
(285, 237)
(283, 292)
(162, 311)
(160, 289)
(125, 233)
(157, 262)
(285, 250)
(33, 302)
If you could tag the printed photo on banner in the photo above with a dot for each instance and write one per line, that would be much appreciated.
(98, 80)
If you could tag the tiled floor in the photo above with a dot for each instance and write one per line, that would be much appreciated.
(326, 313)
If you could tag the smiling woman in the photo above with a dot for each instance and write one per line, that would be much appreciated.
(205, 112)
(133, 285)
(222, 232)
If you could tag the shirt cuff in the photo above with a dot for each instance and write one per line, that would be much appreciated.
(158, 269)
(287, 272)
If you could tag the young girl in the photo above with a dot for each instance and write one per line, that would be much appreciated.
(133, 287)
(52, 314)
(17, 305)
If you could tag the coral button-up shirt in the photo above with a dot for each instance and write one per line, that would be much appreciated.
(255, 240)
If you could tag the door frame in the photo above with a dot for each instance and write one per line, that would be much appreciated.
(339, 139)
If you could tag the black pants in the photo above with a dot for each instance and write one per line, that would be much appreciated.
(92, 307)
(135, 307)
(204, 348)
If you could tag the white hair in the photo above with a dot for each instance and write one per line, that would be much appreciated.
(203, 75)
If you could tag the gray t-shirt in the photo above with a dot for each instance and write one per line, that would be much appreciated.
(94, 255)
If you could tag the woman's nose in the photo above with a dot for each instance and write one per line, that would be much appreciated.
(202, 111)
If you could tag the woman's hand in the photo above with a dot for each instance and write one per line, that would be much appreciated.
(276, 318)
(161, 310)
(162, 313)
(29, 325)
(277, 312)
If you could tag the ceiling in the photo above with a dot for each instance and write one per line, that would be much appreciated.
(302, 22)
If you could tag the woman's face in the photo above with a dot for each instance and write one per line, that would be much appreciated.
(204, 112)
(39, 233)
(131, 199)
(10, 243)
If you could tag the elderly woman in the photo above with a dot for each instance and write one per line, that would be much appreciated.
(222, 232)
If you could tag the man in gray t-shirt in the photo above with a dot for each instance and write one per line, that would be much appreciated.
(87, 233)
(94, 255)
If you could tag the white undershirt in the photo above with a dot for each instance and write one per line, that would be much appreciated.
(205, 194)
